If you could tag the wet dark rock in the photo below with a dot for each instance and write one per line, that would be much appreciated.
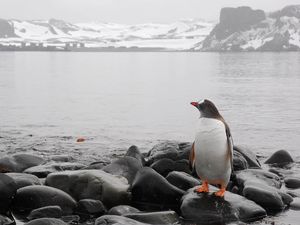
(4, 220)
(280, 158)
(8, 189)
(295, 205)
(46, 212)
(126, 167)
(96, 165)
(23, 179)
(34, 197)
(46, 221)
(90, 208)
(239, 162)
(167, 149)
(122, 210)
(150, 188)
(182, 180)
(184, 150)
(61, 158)
(292, 182)
(162, 217)
(134, 152)
(206, 208)
(92, 184)
(165, 166)
(116, 220)
(43, 170)
(262, 187)
(19, 162)
(250, 157)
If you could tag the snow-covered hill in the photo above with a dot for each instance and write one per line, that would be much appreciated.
(182, 35)
(244, 29)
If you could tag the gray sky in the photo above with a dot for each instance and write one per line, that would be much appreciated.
(127, 11)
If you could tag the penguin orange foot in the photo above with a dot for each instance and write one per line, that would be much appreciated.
(204, 188)
(221, 192)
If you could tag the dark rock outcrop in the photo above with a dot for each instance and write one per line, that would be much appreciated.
(133, 151)
(88, 208)
(92, 184)
(23, 179)
(280, 158)
(182, 180)
(46, 212)
(34, 197)
(248, 155)
(289, 11)
(19, 162)
(165, 166)
(150, 188)
(167, 149)
(206, 208)
(292, 182)
(8, 189)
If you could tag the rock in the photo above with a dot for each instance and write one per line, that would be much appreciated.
(8, 190)
(165, 166)
(61, 158)
(288, 11)
(116, 220)
(46, 212)
(295, 205)
(280, 158)
(292, 182)
(43, 170)
(46, 221)
(4, 220)
(263, 188)
(163, 217)
(184, 150)
(126, 167)
(6, 29)
(92, 184)
(96, 165)
(207, 208)
(249, 156)
(149, 187)
(182, 180)
(23, 179)
(89, 208)
(239, 162)
(19, 162)
(167, 149)
(134, 152)
(34, 197)
(122, 210)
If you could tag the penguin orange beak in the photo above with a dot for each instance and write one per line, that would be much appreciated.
(196, 104)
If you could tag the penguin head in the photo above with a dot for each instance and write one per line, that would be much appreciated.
(207, 109)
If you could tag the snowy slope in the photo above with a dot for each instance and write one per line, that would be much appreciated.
(176, 36)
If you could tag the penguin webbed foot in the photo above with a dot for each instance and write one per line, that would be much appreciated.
(203, 188)
(220, 193)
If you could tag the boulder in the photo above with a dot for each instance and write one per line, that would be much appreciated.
(122, 210)
(89, 208)
(248, 155)
(8, 189)
(116, 220)
(262, 187)
(292, 182)
(4, 220)
(239, 162)
(165, 166)
(19, 162)
(61, 158)
(46, 221)
(295, 205)
(167, 149)
(184, 150)
(150, 188)
(126, 167)
(96, 165)
(280, 158)
(6, 29)
(46, 212)
(162, 217)
(110, 189)
(23, 179)
(34, 197)
(206, 208)
(43, 170)
(134, 152)
(182, 180)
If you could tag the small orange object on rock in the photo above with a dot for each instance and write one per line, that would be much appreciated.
(81, 139)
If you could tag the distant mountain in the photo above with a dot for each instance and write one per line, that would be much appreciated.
(182, 35)
(244, 29)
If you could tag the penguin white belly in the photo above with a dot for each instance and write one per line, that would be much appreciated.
(211, 152)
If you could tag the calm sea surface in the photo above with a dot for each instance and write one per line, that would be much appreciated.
(115, 100)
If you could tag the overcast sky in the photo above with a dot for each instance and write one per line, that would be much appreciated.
(127, 11)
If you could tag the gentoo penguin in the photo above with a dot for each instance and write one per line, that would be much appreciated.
(211, 154)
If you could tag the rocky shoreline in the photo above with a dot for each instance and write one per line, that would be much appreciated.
(139, 189)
